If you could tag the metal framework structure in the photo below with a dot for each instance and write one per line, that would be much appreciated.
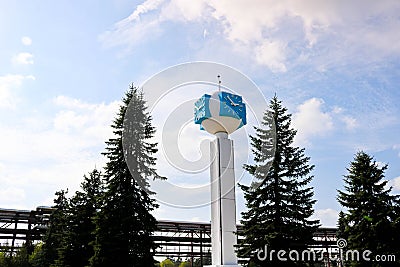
(22, 226)
(185, 240)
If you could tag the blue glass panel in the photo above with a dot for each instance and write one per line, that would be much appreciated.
(202, 109)
(232, 106)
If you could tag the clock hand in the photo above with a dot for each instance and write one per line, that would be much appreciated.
(232, 103)
(200, 106)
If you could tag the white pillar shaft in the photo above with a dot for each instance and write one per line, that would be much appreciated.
(223, 206)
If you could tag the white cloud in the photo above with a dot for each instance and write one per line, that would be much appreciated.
(23, 58)
(182, 10)
(8, 84)
(147, 6)
(205, 33)
(369, 26)
(57, 153)
(350, 122)
(337, 110)
(92, 121)
(327, 217)
(246, 22)
(129, 33)
(11, 194)
(72, 134)
(380, 164)
(133, 29)
(26, 41)
(396, 147)
(310, 120)
(271, 54)
(274, 31)
(395, 183)
(73, 103)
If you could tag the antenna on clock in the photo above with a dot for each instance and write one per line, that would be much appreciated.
(219, 83)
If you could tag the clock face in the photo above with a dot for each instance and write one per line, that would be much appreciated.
(198, 115)
(201, 110)
(233, 100)
(232, 106)
(226, 109)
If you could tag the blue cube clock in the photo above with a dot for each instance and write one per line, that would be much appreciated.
(220, 112)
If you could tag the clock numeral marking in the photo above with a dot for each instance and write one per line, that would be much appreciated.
(232, 103)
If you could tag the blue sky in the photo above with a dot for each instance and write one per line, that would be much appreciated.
(64, 66)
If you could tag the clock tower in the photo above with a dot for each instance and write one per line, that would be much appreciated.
(221, 114)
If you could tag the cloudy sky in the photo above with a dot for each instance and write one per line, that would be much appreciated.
(64, 66)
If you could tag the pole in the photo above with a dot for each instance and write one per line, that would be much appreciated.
(223, 204)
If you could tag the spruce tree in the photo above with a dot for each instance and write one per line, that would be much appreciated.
(124, 223)
(77, 242)
(370, 221)
(54, 237)
(279, 201)
(341, 225)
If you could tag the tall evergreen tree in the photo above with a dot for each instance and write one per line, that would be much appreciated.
(371, 219)
(341, 225)
(280, 201)
(83, 207)
(53, 239)
(124, 223)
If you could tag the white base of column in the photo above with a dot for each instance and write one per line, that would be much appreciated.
(222, 266)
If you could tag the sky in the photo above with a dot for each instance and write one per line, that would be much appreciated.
(65, 65)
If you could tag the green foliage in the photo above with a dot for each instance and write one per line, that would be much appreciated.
(21, 257)
(206, 259)
(105, 224)
(185, 264)
(68, 239)
(35, 257)
(280, 201)
(6, 259)
(83, 206)
(167, 263)
(124, 224)
(177, 263)
(198, 263)
(371, 221)
(54, 237)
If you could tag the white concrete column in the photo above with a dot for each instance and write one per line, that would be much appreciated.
(223, 205)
